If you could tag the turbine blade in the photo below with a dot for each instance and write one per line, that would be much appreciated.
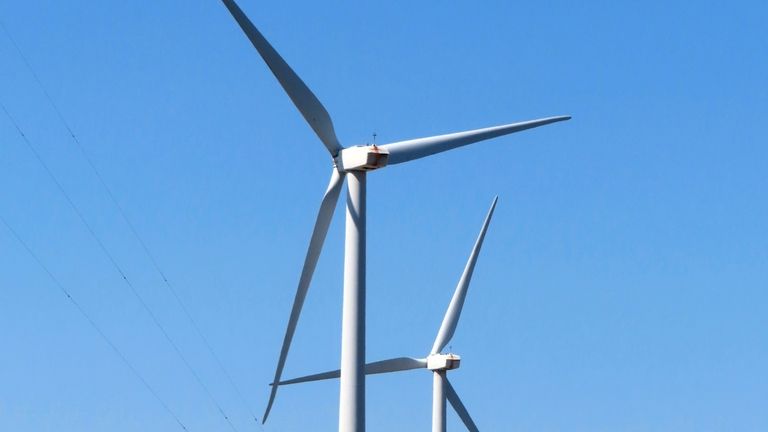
(405, 151)
(324, 216)
(384, 366)
(307, 103)
(451, 319)
(395, 365)
(459, 407)
(314, 377)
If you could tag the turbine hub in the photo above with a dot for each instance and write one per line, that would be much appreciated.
(438, 362)
(362, 158)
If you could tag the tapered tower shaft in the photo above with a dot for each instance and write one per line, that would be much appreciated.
(352, 391)
(438, 401)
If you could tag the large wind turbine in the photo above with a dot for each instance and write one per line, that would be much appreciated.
(436, 361)
(352, 162)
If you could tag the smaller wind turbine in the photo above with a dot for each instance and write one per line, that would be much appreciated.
(436, 361)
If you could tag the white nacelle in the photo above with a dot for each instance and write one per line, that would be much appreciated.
(362, 158)
(443, 361)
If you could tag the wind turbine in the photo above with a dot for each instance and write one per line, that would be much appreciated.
(436, 361)
(353, 163)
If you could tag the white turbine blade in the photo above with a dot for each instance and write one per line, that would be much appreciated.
(307, 103)
(451, 319)
(395, 365)
(459, 407)
(384, 366)
(309, 378)
(405, 151)
(324, 216)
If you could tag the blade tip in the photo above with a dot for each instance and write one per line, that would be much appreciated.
(555, 119)
(493, 205)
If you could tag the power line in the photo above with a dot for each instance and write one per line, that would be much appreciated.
(117, 267)
(130, 224)
(93, 324)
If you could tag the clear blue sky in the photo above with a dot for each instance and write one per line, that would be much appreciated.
(622, 285)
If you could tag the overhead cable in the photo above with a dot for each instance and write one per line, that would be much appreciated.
(128, 222)
(117, 267)
(93, 324)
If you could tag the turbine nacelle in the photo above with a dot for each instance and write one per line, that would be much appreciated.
(443, 362)
(361, 158)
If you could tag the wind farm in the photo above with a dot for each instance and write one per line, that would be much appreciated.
(261, 215)
(355, 162)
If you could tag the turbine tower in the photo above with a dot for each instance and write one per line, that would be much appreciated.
(436, 361)
(353, 163)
